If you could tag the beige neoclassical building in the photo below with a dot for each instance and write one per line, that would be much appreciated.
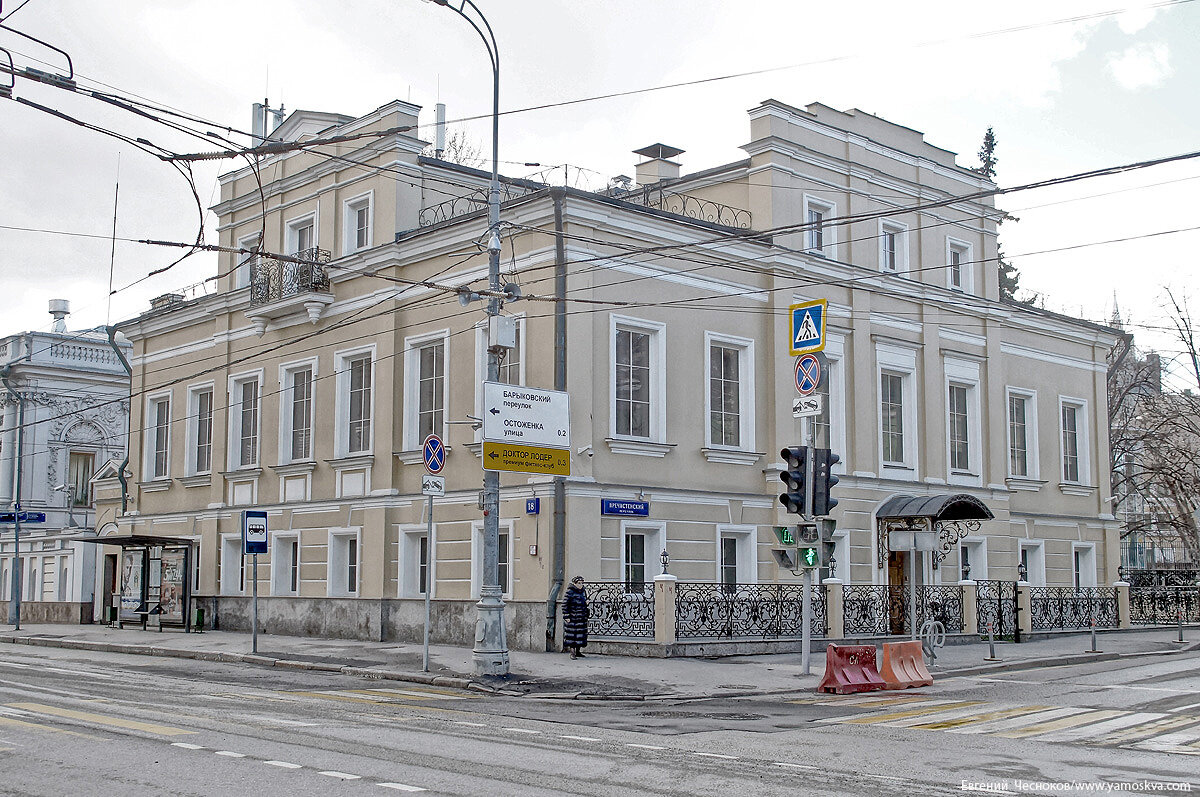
(304, 387)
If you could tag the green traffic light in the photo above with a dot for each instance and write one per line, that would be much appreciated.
(809, 557)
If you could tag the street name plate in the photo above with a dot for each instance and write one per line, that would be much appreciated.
(519, 458)
(433, 485)
(807, 406)
(526, 415)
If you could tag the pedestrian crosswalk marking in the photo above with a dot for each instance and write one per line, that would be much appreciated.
(931, 707)
(1080, 733)
(101, 719)
(1175, 742)
(1058, 724)
(1150, 729)
(1017, 722)
(986, 716)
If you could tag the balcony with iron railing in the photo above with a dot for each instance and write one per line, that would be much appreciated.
(281, 287)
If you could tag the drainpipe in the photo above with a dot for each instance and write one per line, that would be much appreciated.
(112, 341)
(14, 606)
(559, 547)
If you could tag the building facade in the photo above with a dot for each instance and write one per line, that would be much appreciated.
(306, 385)
(75, 413)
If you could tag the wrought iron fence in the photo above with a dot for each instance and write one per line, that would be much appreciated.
(865, 609)
(271, 279)
(469, 203)
(1072, 607)
(742, 611)
(941, 602)
(617, 609)
(1178, 577)
(688, 205)
(996, 603)
(1162, 605)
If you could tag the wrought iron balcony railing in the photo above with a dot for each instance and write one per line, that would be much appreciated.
(687, 205)
(272, 280)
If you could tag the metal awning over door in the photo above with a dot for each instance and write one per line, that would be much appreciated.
(951, 516)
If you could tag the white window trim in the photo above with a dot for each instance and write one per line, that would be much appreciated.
(841, 553)
(902, 362)
(658, 375)
(234, 413)
(350, 208)
(281, 564)
(1088, 574)
(150, 430)
(746, 419)
(1033, 461)
(968, 267)
(408, 574)
(341, 361)
(901, 232)
(232, 573)
(411, 373)
(979, 557)
(292, 230)
(285, 410)
(241, 275)
(747, 552)
(481, 344)
(506, 527)
(965, 373)
(336, 585)
(191, 436)
(656, 543)
(1083, 440)
(1036, 575)
(829, 231)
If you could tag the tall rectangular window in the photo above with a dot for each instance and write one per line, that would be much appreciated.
(362, 216)
(352, 565)
(505, 574)
(635, 562)
(247, 422)
(729, 563)
(816, 230)
(1070, 443)
(960, 450)
(724, 387)
(510, 366)
(431, 386)
(160, 429)
(300, 390)
(79, 477)
(1018, 436)
(202, 438)
(294, 566)
(360, 405)
(633, 383)
(956, 267)
(892, 416)
(302, 237)
(356, 224)
(423, 564)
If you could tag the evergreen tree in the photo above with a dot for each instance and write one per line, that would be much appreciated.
(987, 155)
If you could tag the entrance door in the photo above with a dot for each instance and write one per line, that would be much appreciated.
(109, 584)
(897, 590)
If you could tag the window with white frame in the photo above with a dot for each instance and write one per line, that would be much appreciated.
(302, 234)
(964, 452)
(1083, 565)
(296, 412)
(893, 246)
(730, 391)
(641, 544)
(897, 408)
(511, 371)
(80, 465)
(1022, 434)
(416, 563)
(1033, 559)
(343, 563)
(504, 558)
(244, 426)
(736, 559)
(247, 264)
(819, 235)
(356, 233)
(1074, 440)
(285, 565)
(232, 576)
(158, 437)
(958, 265)
(637, 378)
(355, 378)
(425, 387)
(200, 429)
(960, 439)
(972, 558)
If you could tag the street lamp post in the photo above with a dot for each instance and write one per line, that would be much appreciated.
(491, 644)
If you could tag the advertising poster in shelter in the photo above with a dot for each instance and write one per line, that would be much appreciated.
(174, 571)
(131, 582)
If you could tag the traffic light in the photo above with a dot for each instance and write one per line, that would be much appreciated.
(809, 556)
(823, 480)
(796, 460)
(785, 554)
(828, 547)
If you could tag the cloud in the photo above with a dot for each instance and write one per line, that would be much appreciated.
(1140, 66)
(1135, 19)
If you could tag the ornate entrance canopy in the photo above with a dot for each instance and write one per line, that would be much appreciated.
(952, 516)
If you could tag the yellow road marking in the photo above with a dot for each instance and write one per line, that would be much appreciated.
(343, 698)
(985, 717)
(392, 695)
(1059, 724)
(1148, 729)
(899, 715)
(101, 719)
(41, 727)
(391, 703)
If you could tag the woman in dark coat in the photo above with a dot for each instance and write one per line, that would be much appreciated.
(575, 618)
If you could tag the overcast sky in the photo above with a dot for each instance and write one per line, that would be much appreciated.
(1063, 97)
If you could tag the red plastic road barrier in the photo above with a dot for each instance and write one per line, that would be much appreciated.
(904, 665)
(850, 668)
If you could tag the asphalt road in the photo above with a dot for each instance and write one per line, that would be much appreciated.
(110, 724)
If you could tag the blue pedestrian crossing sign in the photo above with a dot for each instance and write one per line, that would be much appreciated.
(807, 326)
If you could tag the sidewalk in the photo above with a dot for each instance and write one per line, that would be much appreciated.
(556, 675)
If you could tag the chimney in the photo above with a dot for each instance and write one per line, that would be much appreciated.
(658, 165)
(439, 135)
(60, 309)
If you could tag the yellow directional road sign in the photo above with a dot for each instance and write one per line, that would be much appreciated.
(526, 459)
